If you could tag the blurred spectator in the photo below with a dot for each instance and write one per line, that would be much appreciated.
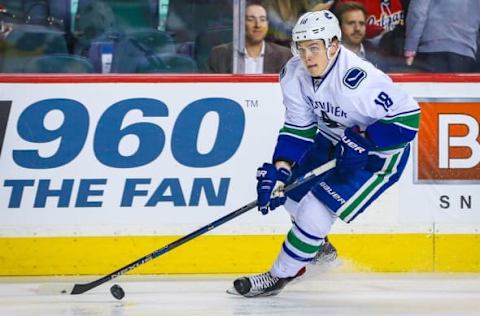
(260, 56)
(478, 52)
(382, 15)
(321, 5)
(283, 15)
(443, 34)
(352, 17)
(385, 25)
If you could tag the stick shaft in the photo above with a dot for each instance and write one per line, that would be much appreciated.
(81, 288)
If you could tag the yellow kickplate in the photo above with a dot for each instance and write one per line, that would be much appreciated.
(232, 254)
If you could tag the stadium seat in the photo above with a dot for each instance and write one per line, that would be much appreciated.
(132, 15)
(166, 63)
(25, 11)
(93, 19)
(187, 18)
(36, 12)
(13, 9)
(152, 40)
(103, 17)
(127, 49)
(58, 64)
(204, 43)
(28, 41)
(60, 14)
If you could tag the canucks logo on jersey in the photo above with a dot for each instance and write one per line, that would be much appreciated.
(283, 71)
(353, 77)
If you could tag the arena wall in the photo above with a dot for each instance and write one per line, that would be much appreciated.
(97, 171)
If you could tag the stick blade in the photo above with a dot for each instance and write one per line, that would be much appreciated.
(55, 289)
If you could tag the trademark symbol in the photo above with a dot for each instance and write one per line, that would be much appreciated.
(251, 103)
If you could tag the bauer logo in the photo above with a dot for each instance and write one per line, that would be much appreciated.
(449, 141)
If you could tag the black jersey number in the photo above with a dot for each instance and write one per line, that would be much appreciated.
(328, 121)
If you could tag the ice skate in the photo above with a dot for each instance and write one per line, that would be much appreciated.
(260, 285)
(327, 254)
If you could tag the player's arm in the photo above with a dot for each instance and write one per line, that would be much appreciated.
(389, 119)
(299, 127)
(292, 142)
(388, 134)
(395, 131)
(272, 177)
(393, 116)
(294, 138)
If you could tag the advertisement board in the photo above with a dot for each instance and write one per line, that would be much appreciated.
(130, 158)
(130, 162)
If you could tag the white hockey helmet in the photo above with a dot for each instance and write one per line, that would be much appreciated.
(317, 25)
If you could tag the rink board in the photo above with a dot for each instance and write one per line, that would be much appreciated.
(235, 254)
(96, 172)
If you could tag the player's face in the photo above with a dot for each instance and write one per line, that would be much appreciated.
(353, 27)
(256, 24)
(314, 56)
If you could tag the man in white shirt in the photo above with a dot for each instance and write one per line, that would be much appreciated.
(353, 23)
(260, 56)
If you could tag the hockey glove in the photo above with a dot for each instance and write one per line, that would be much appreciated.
(351, 152)
(270, 184)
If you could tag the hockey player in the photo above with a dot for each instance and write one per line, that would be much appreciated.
(337, 106)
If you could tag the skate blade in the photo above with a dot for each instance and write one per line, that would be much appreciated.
(232, 291)
(299, 278)
(266, 294)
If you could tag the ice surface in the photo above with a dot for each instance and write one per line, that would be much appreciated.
(324, 293)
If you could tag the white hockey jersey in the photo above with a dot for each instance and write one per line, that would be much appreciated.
(352, 93)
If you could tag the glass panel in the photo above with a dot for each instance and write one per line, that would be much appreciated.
(112, 36)
(177, 36)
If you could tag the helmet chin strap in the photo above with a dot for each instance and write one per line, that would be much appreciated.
(330, 59)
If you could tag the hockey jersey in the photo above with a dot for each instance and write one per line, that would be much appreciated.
(352, 93)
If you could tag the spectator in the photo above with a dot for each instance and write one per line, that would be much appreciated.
(260, 56)
(478, 52)
(385, 25)
(321, 5)
(352, 16)
(283, 15)
(442, 35)
(382, 15)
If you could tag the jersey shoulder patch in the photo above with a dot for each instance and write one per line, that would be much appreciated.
(289, 70)
(354, 77)
(283, 72)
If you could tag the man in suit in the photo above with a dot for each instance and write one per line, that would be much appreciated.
(260, 56)
(352, 16)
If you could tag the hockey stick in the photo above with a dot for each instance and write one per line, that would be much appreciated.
(82, 288)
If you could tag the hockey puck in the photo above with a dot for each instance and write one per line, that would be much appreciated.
(117, 291)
